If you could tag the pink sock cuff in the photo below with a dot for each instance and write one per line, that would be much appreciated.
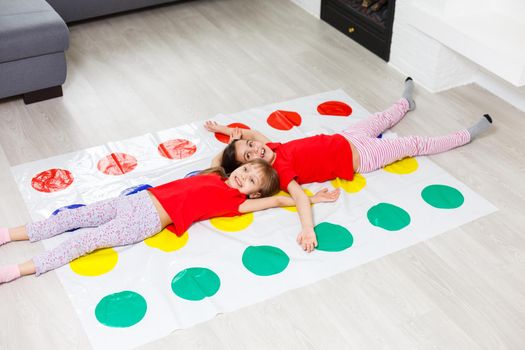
(4, 235)
(9, 273)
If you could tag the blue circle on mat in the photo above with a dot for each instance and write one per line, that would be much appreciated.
(67, 207)
(193, 173)
(134, 189)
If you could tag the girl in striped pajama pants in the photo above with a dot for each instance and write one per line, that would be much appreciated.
(375, 153)
(368, 152)
(323, 157)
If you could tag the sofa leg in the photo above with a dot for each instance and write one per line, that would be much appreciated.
(44, 94)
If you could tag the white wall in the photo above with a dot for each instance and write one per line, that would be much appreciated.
(442, 52)
(312, 6)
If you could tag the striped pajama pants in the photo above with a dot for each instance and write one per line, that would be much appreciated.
(376, 153)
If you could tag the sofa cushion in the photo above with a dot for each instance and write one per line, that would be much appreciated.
(30, 28)
(75, 10)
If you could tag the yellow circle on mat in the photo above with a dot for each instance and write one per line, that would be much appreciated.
(356, 185)
(232, 224)
(99, 262)
(293, 208)
(404, 166)
(167, 241)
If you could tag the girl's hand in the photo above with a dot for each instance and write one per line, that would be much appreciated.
(324, 195)
(307, 239)
(212, 126)
(236, 134)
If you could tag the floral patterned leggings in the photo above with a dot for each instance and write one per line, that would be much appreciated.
(112, 222)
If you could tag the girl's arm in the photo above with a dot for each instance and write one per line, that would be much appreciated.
(306, 237)
(251, 205)
(238, 133)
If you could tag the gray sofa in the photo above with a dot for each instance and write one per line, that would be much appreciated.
(75, 10)
(34, 37)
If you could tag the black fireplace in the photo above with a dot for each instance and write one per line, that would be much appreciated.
(368, 22)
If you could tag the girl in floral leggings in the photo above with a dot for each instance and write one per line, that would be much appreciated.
(131, 219)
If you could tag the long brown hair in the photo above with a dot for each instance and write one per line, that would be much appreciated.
(228, 161)
(219, 170)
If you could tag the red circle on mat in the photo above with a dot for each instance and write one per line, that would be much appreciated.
(177, 149)
(226, 138)
(334, 108)
(117, 164)
(52, 180)
(284, 120)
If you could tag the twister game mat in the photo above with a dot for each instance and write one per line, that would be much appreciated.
(128, 296)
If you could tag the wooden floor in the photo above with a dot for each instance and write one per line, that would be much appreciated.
(155, 69)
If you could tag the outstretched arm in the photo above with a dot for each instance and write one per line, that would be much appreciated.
(238, 133)
(321, 196)
(306, 237)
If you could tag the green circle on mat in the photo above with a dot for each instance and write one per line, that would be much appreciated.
(195, 283)
(442, 196)
(123, 309)
(332, 237)
(265, 260)
(388, 216)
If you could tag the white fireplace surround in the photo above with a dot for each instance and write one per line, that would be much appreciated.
(448, 43)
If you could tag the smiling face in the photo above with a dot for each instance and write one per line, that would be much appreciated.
(248, 179)
(246, 150)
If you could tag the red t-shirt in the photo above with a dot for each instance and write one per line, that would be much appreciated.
(313, 159)
(197, 198)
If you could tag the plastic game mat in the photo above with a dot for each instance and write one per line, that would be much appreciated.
(128, 296)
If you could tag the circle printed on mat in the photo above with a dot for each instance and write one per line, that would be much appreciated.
(336, 108)
(167, 241)
(121, 310)
(232, 223)
(353, 186)
(195, 283)
(442, 197)
(135, 189)
(177, 149)
(226, 138)
(402, 167)
(284, 120)
(192, 173)
(117, 164)
(97, 263)
(264, 260)
(388, 217)
(67, 207)
(52, 180)
(332, 237)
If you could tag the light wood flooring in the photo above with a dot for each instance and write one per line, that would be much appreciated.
(162, 67)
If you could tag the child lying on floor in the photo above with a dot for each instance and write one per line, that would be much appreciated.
(131, 219)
